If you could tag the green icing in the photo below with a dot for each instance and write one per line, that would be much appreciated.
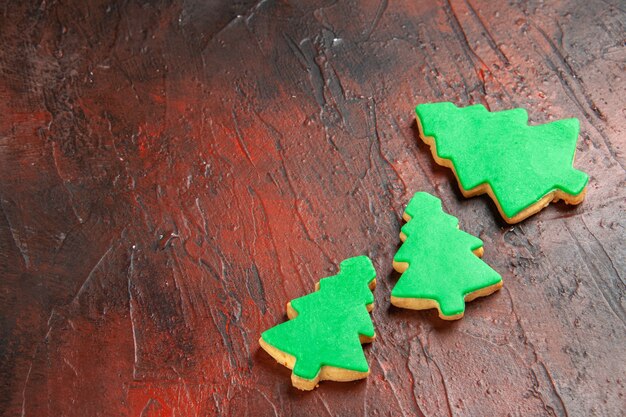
(521, 163)
(442, 266)
(326, 330)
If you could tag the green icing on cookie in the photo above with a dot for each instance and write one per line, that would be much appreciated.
(442, 266)
(326, 330)
(521, 163)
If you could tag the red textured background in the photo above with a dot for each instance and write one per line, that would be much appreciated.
(172, 173)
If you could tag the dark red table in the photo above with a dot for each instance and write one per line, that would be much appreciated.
(172, 173)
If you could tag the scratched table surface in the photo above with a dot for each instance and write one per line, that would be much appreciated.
(172, 173)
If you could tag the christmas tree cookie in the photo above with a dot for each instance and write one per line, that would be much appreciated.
(322, 339)
(522, 168)
(440, 264)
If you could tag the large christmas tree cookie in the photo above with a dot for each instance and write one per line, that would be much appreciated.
(440, 264)
(322, 339)
(522, 168)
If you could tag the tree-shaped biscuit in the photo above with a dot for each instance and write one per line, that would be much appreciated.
(522, 168)
(322, 340)
(440, 264)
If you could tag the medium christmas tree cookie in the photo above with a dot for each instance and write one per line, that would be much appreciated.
(440, 264)
(522, 168)
(322, 339)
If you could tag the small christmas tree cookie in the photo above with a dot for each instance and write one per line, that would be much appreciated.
(322, 339)
(440, 264)
(522, 168)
